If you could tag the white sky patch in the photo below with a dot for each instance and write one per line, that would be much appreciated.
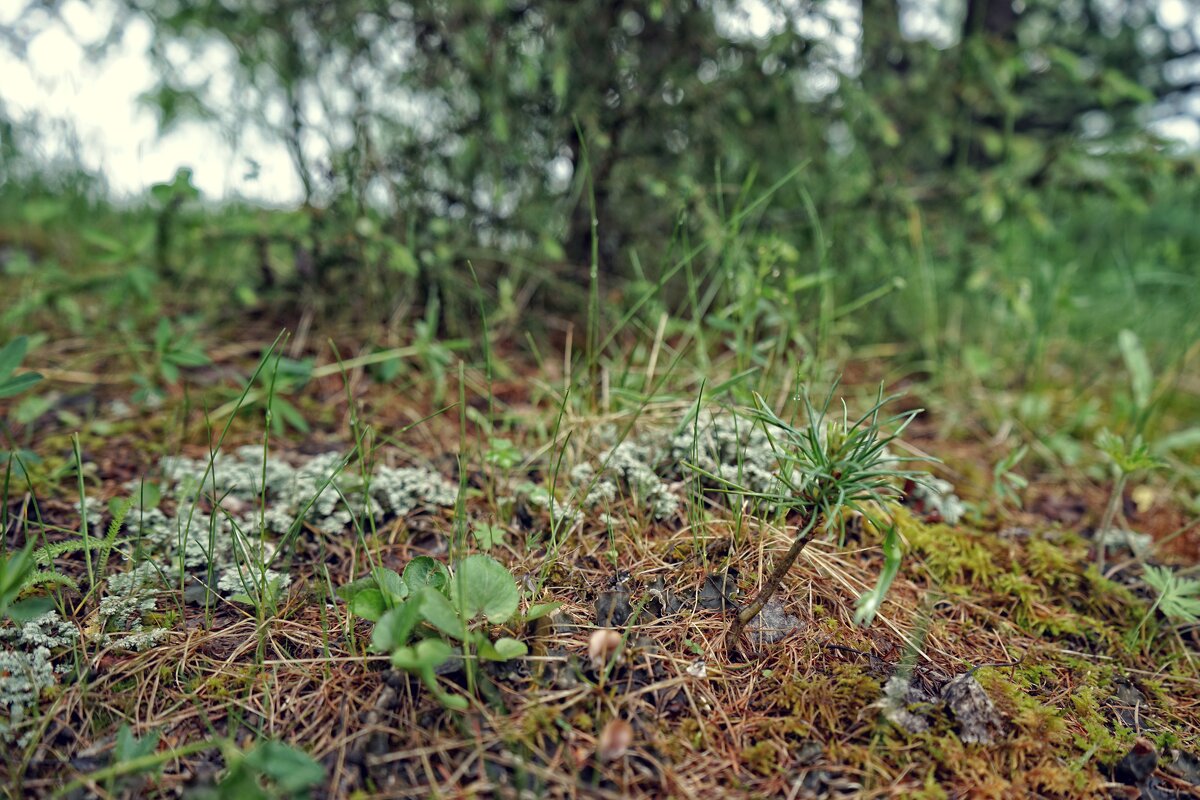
(110, 132)
(1174, 14)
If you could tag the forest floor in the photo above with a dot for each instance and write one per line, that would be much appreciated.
(203, 632)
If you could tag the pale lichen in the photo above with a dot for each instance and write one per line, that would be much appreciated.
(27, 668)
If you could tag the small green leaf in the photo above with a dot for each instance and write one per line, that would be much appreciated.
(146, 496)
(1178, 598)
(394, 627)
(24, 611)
(16, 385)
(129, 747)
(391, 584)
(539, 610)
(425, 654)
(424, 571)
(423, 659)
(488, 536)
(349, 590)
(289, 413)
(14, 570)
(12, 354)
(1141, 378)
(482, 586)
(869, 603)
(508, 647)
(292, 770)
(369, 604)
(1186, 439)
(438, 612)
(189, 357)
(503, 453)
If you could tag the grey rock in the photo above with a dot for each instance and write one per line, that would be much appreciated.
(771, 624)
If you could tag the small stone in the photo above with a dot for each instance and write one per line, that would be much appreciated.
(978, 722)
(718, 591)
(662, 602)
(1137, 543)
(1129, 703)
(1138, 764)
(771, 624)
(1186, 766)
(809, 753)
(903, 703)
(615, 740)
(613, 609)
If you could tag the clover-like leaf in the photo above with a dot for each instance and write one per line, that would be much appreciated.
(11, 356)
(425, 571)
(539, 610)
(290, 768)
(391, 584)
(129, 747)
(423, 658)
(438, 612)
(425, 654)
(482, 586)
(368, 604)
(393, 628)
(488, 536)
(507, 648)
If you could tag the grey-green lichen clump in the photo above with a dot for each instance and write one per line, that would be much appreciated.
(729, 451)
(212, 516)
(130, 596)
(256, 496)
(652, 469)
(628, 466)
(935, 498)
(28, 668)
(724, 453)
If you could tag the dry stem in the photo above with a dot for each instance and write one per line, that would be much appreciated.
(734, 634)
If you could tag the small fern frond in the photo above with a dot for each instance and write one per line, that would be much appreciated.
(53, 576)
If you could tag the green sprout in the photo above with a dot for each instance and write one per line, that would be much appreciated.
(827, 467)
(418, 614)
(1127, 456)
(1177, 598)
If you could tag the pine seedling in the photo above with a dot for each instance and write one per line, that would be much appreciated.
(827, 466)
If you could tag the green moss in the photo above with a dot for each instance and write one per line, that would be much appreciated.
(820, 700)
(1109, 601)
(1048, 563)
(956, 558)
(1106, 738)
(537, 719)
(1027, 715)
(761, 759)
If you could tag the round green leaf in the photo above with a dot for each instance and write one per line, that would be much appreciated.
(394, 627)
(425, 571)
(539, 610)
(426, 654)
(482, 586)
(368, 604)
(508, 647)
(392, 585)
(292, 769)
(438, 612)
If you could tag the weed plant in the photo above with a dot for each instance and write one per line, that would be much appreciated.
(828, 466)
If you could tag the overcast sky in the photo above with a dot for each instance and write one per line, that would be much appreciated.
(116, 137)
